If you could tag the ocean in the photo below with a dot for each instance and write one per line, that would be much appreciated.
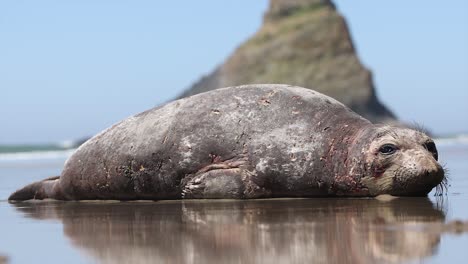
(319, 230)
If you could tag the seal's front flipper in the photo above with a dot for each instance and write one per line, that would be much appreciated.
(215, 184)
(48, 188)
(224, 183)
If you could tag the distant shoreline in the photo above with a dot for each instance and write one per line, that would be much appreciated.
(451, 140)
(29, 148)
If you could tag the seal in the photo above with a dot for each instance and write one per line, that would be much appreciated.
(251, 141)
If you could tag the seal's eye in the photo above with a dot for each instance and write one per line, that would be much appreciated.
(388, 149)
(430, 146)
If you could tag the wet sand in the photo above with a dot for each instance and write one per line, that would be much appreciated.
(429, 230)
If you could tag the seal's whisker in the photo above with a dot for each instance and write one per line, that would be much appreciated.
(420, 127)
(442, 187)
(446, 169)
(440, 203)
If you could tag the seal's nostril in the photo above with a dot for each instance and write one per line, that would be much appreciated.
(431, 147)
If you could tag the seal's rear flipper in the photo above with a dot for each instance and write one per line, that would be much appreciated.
(48, 188)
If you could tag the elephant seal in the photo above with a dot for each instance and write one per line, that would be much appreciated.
(251, 141)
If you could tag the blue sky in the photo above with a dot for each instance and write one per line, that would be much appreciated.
(69, 69)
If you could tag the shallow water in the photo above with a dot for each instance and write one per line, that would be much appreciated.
(257, 231)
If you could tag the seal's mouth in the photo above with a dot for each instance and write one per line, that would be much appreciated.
(422, 184)
(401, 181)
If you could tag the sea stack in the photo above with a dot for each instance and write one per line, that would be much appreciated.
(305, 43)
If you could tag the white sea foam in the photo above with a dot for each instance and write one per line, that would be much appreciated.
(36, 155)
(459, 139)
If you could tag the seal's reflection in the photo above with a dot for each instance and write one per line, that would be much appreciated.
(254, 231)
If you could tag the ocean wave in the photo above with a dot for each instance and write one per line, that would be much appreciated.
(460, 139)
(36, 155)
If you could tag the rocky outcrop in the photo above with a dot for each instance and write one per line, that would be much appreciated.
(304, 43)
(3, 259)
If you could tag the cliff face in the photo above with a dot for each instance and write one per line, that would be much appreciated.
(304, 43)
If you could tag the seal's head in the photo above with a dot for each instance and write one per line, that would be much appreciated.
(400, 161)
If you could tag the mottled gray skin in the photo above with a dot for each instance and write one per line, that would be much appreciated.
(252, 141)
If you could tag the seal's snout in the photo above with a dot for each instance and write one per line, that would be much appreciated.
(419, 174)
(432, 172)
(436, 178)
